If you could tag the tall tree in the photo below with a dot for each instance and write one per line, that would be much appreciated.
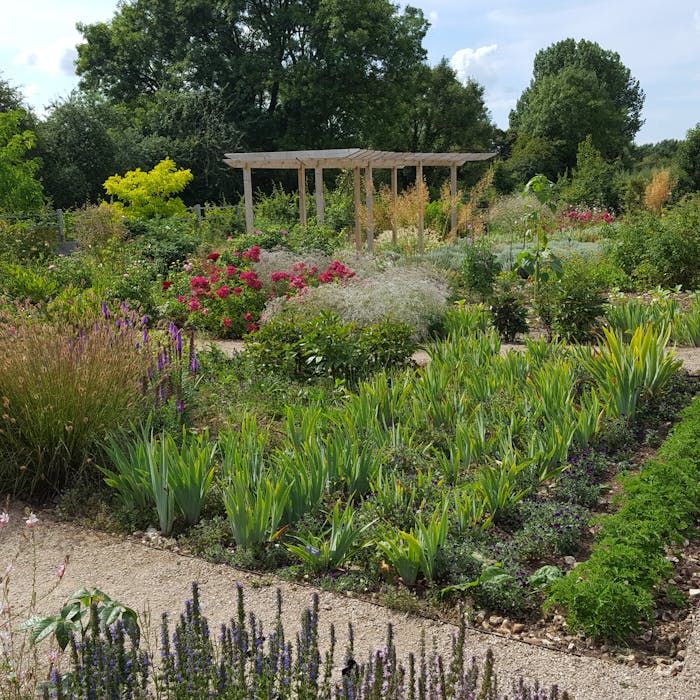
(577, 89)
(290, 72)
(20, 191)
(689, 159)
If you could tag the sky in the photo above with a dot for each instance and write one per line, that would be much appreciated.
(491, 41)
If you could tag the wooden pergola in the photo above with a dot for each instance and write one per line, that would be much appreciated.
(355, 159)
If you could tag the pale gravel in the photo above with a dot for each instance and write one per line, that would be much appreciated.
(156, 580)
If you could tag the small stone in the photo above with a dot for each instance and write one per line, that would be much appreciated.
(138, 533)
(517, 628)
(495, 621)
(570, 561)
(694, 593)
(571, 646)
(480, 616)
(485, 625)
(680, 654)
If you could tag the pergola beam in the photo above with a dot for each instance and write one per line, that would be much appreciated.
(352, 159)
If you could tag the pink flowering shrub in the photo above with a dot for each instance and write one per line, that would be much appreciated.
(223, 296)
(581, 219)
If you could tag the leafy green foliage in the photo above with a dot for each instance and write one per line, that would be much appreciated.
(479, 270)
(325, 346)
(20, 191)
(571, 304)
(577, 89)
(614, 591)
(150, 194)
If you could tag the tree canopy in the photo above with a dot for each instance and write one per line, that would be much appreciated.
(577, 89)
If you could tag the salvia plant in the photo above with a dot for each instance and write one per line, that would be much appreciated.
(245, 661)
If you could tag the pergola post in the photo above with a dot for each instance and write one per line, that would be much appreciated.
(302, 194)
(421, 208)
(248, 198)
(357, 202)
(453, 201)
(369, 202)
(394, 198)
(318, 189)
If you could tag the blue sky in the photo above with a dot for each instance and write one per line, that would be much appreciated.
(491, 41)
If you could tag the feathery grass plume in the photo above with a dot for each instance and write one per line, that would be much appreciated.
(659, 190)
(63, 387)
(410, 295)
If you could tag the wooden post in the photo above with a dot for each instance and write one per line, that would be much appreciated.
(394, 198)
(248, 197)
(318, 187)
(421, 208)
(369, 203)
(357, 201)
(302, 195)
(453, 201)
(61, 230)
(198, 214)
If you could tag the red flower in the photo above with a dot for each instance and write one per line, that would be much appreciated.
(278, 276)
(237, 291)
(253, 253)
(166, 285)
(230, 271)
(248, 316)
(199, 282)
(214, 277)
(194, 305)
(226, 321)
(222, 292)
(181, 298)
(252, 327)
(213, 256)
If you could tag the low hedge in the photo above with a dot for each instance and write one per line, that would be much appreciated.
(611, 594)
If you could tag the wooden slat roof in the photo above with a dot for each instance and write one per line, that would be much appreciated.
(347, 158)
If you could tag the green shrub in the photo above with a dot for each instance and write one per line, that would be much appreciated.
(323, 345)
(25, 241)
(508, 309)
(478, 270)
(570, 305)
(93, 226)
(27, 283)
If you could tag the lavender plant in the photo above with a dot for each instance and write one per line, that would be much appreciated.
(243, 662)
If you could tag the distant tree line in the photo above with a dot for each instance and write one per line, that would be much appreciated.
(193, 79)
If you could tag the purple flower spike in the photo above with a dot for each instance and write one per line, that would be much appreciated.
(172, 330)
(194, 365)
(124, 306)
(144, 320)
(105, 309)
(145, 336)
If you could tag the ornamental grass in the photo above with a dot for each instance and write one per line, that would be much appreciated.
(63, 387)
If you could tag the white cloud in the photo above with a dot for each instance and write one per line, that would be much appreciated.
(477, 64)
(53, 59)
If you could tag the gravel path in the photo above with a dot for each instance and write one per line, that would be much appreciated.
(157, 580)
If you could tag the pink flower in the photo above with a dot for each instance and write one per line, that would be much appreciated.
(61, 569)
(252, 327)
(230, 271)
(4, 519)
(187, 267)
(226, 321)
(205, 311)
(181, 298)
(237, 291)
(194, 305)
(214, 277)
(279, 276)
(52, 267)
(222, 292)
(248, 316)
(31, 521)
(12, 330)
